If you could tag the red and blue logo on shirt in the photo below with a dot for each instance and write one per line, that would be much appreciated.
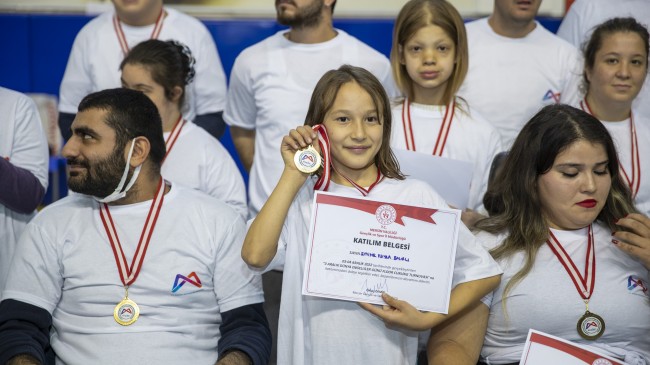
(550, 95)
(180, 280)
(635, 284)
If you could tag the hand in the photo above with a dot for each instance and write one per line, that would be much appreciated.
(635, 241)
(399, 313)
(470, 217)
(297, 139)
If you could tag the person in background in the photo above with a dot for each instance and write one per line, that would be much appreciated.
(573, 249)
(429, 61)
(583, 17)
(23, 170)
(616, 67)
(100, 46)
(516, 67)
(132, 269)
(162, 70)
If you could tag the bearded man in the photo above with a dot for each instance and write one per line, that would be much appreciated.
(132, 269)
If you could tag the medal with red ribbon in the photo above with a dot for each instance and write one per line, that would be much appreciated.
(126, 312)
(121, 38)
(173, 136)
(324, 180)
(590, 326)
(633, 179)
(443, 133)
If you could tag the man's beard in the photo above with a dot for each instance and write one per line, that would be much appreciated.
(100, 179)
(306, 17)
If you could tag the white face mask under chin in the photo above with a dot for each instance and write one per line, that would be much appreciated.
(118, 193)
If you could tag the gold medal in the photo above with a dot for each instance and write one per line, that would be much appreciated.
(591, 326)
(307, 160)
(126, 312)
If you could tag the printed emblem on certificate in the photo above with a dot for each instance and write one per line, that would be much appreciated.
(543, 349)
(359, 248)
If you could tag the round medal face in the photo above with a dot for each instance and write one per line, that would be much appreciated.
(591, 326)
(126, 312)
(307, 160)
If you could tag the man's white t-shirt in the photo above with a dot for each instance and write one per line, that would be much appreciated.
(316, 330)
(23, 143)
(199, 161)
(471, 138)
(510, 79)
(94, 62)
(270, 87)
(66, 266)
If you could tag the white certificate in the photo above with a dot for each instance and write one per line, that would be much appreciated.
(359, 248)
(544, 349)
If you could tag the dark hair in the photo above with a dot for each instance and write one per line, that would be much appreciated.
(325, 94)
(415, 15)
(611, 26)
(131, 114)
(514, 203)
(170, 62)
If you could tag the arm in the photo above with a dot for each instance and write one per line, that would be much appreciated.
(212, 122)
(636, 240)
(402, 314)
(244, 140)
(245, 336)
(20, 190)
(24, 333)
(261, 243)
(458, 341)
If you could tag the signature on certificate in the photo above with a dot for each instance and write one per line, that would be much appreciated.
(376, 288)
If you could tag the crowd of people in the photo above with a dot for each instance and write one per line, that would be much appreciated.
(161, 253)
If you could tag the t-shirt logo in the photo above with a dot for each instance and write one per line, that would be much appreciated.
(180, 280)
(550, 95)
(635, 284)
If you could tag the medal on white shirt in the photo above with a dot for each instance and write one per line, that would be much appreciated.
(443, 133)
(590, 326)
(324, 180)
(633, 179)
(121, 38)
(173, 136)
(126, 312)
(307, 160)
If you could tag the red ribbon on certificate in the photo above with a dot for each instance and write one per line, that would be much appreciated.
(369, 206)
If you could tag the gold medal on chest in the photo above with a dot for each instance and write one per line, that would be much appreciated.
(126, 312)
(591, 326)
(307, 160)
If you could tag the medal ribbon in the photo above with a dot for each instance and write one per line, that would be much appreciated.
(128, 274)
(443, 133)
(323, 182)
(121, 38)
(173, 135)
(584, 284)
(634, 182)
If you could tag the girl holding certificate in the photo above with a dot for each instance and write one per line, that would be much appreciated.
(352, 106)
(162, 70)
(574, 250)
(429, 59)
(616, 66)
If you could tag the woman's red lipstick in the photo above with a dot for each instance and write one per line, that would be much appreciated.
(589, 203)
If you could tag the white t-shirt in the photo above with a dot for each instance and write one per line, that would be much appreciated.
(584, 15)
(270, 87)
(324, 331)
(510, 79)
(66, 266)
(94, 62)
(548, 301)
(621, 132)
(471, 138)
(23, 143)
(199, 161)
